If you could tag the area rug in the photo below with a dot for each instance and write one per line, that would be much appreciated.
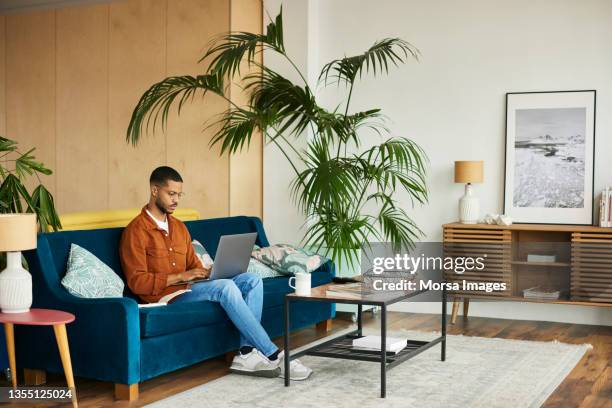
(478, 372)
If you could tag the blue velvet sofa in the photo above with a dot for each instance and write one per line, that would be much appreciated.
(113, 340)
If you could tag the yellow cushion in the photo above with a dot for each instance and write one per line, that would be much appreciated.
(114, 218)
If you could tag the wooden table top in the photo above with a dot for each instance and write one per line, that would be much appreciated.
(378, 298)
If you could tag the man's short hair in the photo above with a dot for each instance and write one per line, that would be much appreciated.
(162, 174)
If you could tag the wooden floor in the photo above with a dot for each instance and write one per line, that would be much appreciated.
(588, 385)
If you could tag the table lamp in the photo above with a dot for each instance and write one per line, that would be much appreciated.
(17, 233)
(469, 172)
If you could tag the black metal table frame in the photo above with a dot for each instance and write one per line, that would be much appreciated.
(387, 360)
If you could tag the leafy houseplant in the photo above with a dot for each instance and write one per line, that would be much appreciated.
(332, 187)
(15, 167)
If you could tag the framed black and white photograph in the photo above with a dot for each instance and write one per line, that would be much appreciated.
(550, 140)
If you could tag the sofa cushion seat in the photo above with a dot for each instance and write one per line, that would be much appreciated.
(157, 321)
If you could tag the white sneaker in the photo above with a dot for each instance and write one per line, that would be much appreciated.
(255, 364)
(297, 370)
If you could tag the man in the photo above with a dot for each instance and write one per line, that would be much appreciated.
(156, 254)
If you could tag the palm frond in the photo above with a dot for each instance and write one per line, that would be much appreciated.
(376, 60)
(397, 161)
(397, 227)
(159, 98)
(7, 145)
(294, 106)
(339, 234)
(44, 206)
(229, 50)
(14, 195)
(237, 127)
(343, 128)
(26, 165)
(326, 182)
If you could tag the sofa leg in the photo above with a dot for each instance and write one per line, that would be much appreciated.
(128, 392)
(324, 326)
(229, 356)
(33, 376)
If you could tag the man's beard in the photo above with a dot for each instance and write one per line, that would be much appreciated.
(160, 206)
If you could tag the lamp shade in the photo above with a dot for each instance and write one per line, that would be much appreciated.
(17, 232)
(469, 171)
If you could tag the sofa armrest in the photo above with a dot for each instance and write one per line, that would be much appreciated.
(329, 267)
(262, 239)
(104, 339)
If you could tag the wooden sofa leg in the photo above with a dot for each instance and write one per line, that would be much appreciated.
(455, 310)
(32, 376)
(229, 356)
(324, 326)
(128, 392)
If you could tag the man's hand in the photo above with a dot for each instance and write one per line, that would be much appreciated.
(196, 273)
(187, 276)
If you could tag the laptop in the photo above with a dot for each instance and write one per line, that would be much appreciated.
(232, 258)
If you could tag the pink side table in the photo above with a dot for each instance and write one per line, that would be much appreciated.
(41, 317)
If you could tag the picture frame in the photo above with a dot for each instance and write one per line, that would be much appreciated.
(550, 157)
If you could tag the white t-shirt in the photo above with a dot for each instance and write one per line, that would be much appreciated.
(161, 224)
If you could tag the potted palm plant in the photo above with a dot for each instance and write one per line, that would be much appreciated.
(335, 179)
(15, 168)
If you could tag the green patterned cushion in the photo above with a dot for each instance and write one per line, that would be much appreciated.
(261, 269)
(288, 259)
(255, 266)
(202, 254)
(89, 277)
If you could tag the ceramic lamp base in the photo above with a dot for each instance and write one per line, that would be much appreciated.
(469, 207)
(15, 286)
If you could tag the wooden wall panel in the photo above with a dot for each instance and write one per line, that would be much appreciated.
(204, 172)
(137, 59)
(70, 77)
(82, 108)
(30, 86)
(246, 167)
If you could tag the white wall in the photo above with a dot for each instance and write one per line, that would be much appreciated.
(281, 217)
(453, 101)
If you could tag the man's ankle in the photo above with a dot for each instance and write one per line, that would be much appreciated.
(244, 350)
(274, 356)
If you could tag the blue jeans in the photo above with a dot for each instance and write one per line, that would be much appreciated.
(242, 299)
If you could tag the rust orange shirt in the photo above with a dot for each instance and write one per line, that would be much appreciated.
(149, 254)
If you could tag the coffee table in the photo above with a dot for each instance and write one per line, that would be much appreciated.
(341, 346)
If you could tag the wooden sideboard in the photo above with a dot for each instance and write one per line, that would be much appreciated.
(581, 271)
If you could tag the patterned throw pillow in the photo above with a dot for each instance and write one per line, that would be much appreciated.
(202, 254)
(255, 266)
(288, 259)
(89, 277)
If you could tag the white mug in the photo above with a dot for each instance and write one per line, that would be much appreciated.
(302, 284)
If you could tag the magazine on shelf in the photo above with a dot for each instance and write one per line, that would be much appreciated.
(541, 292)
(541, 258)
(394, 344)
(165, 299)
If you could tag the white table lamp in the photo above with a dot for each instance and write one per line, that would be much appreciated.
(469, 206)
(17, 233)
